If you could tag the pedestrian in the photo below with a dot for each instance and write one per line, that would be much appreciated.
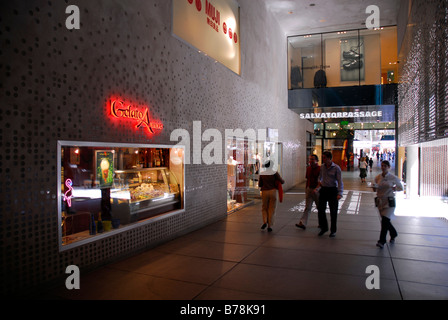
(266, 182)
(385, 186)
(312, 176)
(370, 164)
(330, 190)
(363, 169)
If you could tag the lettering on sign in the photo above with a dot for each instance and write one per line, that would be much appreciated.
(213, 18)
(335, 115)
(120, 109)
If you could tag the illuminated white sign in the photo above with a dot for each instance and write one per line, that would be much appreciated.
(336, 115)
(212, 26)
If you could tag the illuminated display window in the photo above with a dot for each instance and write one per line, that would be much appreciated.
(109, 188)
(344, 58)
(244, 165)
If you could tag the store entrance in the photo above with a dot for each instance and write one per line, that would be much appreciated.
(378, 144)
(348, 146)
(244, 163)
(367, 131)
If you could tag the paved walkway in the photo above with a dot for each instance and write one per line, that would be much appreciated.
(234, 260)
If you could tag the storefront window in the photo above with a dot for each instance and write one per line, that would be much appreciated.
(305, 59)
(345, 58)
(108, 188)
(244, 164)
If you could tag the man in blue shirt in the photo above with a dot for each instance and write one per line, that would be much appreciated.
(330, 190)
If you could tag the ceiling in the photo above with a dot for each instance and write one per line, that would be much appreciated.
(299, 17)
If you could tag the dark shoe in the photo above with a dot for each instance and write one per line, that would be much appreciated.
(351, 55)
(380, 244)
(332, 235)
(353, 65)
(269, 229)
(392, 239)
(300, 225)
(264, 226)
(322, 232)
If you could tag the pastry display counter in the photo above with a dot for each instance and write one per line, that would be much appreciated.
(144, 193)
(108, 188)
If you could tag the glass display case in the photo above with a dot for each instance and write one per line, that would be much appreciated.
(145, 192)
(108, 188)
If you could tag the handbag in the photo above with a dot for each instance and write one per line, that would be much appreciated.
(278, 186)
(391, 202)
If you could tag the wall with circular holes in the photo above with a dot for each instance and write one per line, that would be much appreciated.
(55, 85)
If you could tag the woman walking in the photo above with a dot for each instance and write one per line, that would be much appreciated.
(267, 182)
(363, 169)
(385, 186)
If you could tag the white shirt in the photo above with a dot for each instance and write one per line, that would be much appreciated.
(384, 185)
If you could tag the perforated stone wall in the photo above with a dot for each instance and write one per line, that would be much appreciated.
(423, 93)
(55, 84)
(423, 96)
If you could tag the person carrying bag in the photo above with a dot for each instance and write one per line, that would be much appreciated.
(269, 182)
(385, 186)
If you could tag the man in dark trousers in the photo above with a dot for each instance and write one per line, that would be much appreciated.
(312, 176)
(330, 190)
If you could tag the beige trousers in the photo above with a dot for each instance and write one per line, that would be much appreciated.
(269, 202)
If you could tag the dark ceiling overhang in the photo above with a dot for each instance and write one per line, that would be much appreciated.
(385, 94)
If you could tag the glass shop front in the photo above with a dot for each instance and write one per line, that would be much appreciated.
(245, 159)
(108, 188)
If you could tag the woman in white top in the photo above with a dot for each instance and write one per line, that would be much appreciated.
(385, 186)
(363, 169)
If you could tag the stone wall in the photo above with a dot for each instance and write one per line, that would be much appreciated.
(55, 84)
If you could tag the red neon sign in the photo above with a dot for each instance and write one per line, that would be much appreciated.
(119, 109)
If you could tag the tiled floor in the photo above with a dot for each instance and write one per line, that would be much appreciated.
(233, 259)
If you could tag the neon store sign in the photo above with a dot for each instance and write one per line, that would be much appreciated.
(124, 111)
(68, 195)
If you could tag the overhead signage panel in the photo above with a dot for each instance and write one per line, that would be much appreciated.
(211, 26)
(383, 113)
(339, 115)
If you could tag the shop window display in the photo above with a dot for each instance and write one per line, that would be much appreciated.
(345, 58)
(244, 163)
(108, 188)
